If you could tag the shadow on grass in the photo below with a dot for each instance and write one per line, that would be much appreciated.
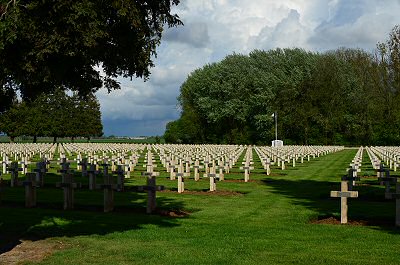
(370, 207)
(48, 219)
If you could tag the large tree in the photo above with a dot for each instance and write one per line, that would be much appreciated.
(55, 114)
(46, 44)
(345, 96)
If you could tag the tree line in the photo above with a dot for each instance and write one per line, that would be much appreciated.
(53, 115)
(345, 96)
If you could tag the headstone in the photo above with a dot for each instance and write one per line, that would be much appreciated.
(40, 171)
(386, 179)
(30, 190)
(247, 169)
(92, 173)
(120, 177)
(181, 178)
(196, 168)
(151, 189)
(84, 166)
(213, 179)
(68, 185)
(343, 195)
(108, 189)
(13, 169)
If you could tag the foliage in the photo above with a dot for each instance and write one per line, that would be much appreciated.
(345, 96)
(50, 44)
(55, 115)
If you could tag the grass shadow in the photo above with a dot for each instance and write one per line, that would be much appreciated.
(48, 219)
(315, 195)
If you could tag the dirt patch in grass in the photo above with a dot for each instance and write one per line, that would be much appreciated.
(356, 222)
(33, 251)
(173, 213)
(206, 192)
(241, 180)
(369, 177)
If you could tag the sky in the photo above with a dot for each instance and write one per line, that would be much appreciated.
(214, 29)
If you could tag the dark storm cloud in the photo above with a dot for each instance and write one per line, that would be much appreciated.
(194, 34)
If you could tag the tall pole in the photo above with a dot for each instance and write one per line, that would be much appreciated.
(276, 125)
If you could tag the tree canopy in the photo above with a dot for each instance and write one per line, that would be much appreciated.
(54, 115)
(345, 96)
(48, 44)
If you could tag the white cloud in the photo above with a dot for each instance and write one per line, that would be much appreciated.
(215, 28)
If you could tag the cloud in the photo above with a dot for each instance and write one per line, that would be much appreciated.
(355, 24)
(216, 28)
(195, 34)
(288, 33)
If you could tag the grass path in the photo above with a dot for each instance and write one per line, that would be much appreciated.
(266, 222)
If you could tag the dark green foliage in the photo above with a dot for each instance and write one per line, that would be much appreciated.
(346, 96)
(54, 115)
(48, 44)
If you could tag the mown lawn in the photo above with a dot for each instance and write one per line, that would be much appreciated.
(266, 221)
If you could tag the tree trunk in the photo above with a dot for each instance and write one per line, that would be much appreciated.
(72, 139)
(54, 139)
(12, 139)
(88, 139)
(34, 139)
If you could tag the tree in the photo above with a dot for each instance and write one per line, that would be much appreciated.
(13, 121)
(56, 115)
(49, 44)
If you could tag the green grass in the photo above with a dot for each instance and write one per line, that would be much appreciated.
(265, 222)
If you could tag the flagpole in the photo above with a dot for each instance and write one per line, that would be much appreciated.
(276, 125)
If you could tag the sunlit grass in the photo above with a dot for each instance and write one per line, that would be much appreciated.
(265, 221)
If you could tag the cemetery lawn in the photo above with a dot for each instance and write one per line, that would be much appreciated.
(265, 221)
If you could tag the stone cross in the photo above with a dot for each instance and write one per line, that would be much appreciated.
(30, 190)
(120, 177)
(247, 169)
(221, 168)
(64, 167)
(108, 188)
(267, 165)
(387, 180)
(40, 171)
(396, 195)
(172, 171)
(181, 175)
(351, 177)
(380, 171)
(68, 185)
(84, 165)
(4, 163)
(343, 195)
(127, 171)
(213, 177)
(151, 189)
(13, 169)
(196, 168)
(92, 173)
(206, 166)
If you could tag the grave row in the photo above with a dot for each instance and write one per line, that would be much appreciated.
(36, 179)
(383, 175)
(179, 161)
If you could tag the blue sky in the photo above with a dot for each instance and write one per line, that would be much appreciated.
(216, 28)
